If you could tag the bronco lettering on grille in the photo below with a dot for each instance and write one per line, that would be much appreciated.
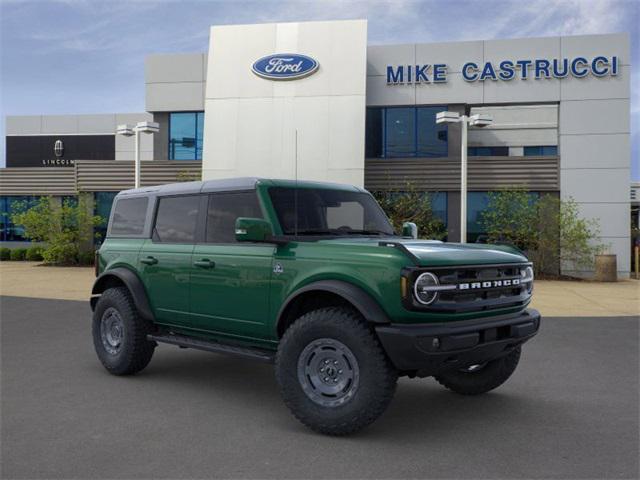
(512, 282)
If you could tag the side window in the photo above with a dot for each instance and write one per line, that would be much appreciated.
(176, 219)
(224, 209)
(128, 216)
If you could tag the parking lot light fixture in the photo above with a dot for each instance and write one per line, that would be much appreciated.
(128, 131)
(477, 120)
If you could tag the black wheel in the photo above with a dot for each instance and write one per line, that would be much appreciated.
(333, 373)
(120, 334)
(477, 379)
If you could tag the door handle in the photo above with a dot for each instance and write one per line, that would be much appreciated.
(204, 263)
(149, 260)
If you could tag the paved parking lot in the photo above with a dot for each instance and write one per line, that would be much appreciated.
(570, 411)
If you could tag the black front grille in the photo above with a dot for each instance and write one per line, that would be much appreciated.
(477, 288)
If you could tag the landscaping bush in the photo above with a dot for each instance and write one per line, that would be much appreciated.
(5, 253)
(407, 204)
(67, 228)
(86, 258)
(34, 254)
(18, 254)
(548, 228)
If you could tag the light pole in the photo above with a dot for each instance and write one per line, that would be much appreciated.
(477, 120)
(128, 131)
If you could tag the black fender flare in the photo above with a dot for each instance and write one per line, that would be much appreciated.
(356, 296)
(132, 282)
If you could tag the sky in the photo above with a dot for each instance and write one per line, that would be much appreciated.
(87, 56)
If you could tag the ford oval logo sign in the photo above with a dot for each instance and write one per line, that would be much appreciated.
(285, 66)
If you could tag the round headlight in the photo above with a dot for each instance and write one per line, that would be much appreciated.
(527, 278)
(423, 288)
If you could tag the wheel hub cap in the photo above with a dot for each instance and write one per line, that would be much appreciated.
(112, 331)
(328, 372)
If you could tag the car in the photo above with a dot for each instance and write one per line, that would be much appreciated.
(309, 276)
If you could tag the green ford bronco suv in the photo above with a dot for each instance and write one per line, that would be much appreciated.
(309, 276)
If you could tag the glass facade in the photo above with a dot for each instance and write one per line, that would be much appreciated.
(488, 151)
(185, 135)
(103, 201)
(396, 132)
(10, 232)
(541, 151)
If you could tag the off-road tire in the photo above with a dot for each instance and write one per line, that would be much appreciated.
(376, 381)
(134, 351)
(490, 376)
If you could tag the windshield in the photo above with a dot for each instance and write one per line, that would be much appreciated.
(328, 212)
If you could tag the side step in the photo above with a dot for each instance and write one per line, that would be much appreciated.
(266, 356)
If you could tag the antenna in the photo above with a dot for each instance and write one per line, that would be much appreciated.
(295, 191)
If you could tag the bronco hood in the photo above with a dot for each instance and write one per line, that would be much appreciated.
(432, 253)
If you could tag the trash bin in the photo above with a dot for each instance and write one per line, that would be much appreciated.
(606, 268)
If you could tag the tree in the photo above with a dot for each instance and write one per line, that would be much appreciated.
(410, 205)
(549, 229)
(66, 228)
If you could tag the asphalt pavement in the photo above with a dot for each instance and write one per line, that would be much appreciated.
(569, 411)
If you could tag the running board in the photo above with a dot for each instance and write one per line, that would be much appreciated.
(266, 356)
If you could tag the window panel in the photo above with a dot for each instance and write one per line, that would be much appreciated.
(185, 135)
(9, 205)
(129, 216)
(541, 151)
(432, 137)
(224, 209)
(103, 201)
(176, 219)
(400, 135)
(405, 132)
(374, 133)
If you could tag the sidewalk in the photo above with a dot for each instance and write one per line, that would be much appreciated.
(553, 298)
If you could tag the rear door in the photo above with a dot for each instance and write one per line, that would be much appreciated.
(230, 281)
(165, 259)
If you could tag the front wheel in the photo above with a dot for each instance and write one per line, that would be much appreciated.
(332, 372)
(477, 379)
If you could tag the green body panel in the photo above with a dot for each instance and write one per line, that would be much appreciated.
(167, 282)
(232, 298)
(242, 295)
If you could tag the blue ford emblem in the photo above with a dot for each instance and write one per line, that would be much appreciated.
(284, 66)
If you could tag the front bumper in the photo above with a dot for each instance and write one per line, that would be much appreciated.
(428, 349)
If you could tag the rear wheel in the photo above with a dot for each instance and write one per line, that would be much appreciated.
(481, 378)
(120, 334)
(332, 372)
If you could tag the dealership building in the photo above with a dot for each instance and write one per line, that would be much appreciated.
(312, 100)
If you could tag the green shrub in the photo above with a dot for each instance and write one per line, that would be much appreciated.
(67, 229)
(408, 204)
(34, 254)
(86, 258)
(5, 253)
(18, 254)
(548, 228)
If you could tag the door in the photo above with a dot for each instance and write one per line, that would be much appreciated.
(230, 281)
(165, 259)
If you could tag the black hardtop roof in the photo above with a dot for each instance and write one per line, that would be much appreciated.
(226, 185)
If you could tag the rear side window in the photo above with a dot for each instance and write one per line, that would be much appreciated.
(176, 219)
(128, 216)
(224, 209)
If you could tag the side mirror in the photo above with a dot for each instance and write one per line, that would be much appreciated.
(409, 229)
(252, 229)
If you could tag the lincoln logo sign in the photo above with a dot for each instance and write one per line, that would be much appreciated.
(285, 66)
(58, 148)
(505, 70)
